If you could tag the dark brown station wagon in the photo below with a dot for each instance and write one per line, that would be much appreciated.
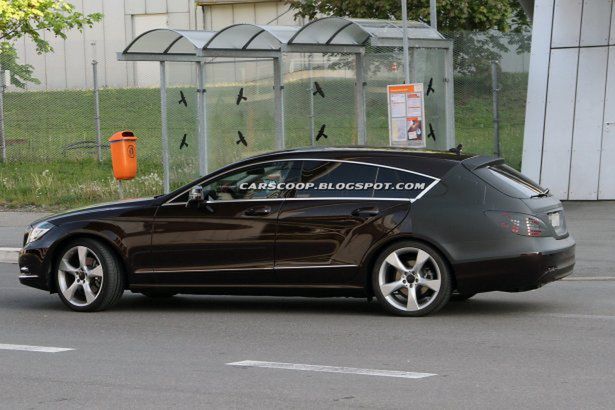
(412, 228)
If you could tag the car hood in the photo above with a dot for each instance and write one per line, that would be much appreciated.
(87, 211)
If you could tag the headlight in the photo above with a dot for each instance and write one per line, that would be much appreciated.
(38, 230)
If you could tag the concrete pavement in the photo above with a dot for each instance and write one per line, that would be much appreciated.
(549, 349)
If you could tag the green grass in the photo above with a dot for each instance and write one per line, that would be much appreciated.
(40, 126)
(63, 184)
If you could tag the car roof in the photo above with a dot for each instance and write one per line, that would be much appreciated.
(351, 151)
(433, 163)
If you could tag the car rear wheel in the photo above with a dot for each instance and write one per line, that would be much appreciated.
(411, 279)
(88, 276)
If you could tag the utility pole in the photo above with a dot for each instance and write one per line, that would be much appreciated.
(2, 136)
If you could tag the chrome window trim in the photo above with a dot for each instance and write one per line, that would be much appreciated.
(427, 189)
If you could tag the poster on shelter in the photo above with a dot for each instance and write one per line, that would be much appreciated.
(406, 115)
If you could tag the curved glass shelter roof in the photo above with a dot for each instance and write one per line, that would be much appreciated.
(329, 34)
(251, 37)
(331, 31)
(165, 41)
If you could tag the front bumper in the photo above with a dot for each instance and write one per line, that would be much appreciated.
(34, 261)
(518, 273)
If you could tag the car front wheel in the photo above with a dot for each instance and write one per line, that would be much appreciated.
(411, 279)
(88, 276)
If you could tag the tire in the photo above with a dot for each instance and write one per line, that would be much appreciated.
(394, 279)
(88, 276)
(161, 294)
(460, 297)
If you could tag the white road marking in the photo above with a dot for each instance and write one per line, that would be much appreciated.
(331, 369)
(27, 348)
(576, 316)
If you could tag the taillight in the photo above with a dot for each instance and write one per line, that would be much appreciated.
(520, 224)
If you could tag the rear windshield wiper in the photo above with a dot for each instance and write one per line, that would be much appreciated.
(542, 194)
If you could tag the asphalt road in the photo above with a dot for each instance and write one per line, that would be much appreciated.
(550, 348)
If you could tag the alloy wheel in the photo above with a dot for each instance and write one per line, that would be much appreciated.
(409, 279)
(80, 276)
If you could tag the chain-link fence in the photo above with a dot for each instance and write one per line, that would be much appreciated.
(319, 106)
(474, 54)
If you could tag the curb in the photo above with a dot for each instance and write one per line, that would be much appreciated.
(9, 255)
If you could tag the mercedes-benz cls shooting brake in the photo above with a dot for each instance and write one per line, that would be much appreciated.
(412, 228)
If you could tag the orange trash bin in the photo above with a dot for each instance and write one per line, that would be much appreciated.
(124, 154)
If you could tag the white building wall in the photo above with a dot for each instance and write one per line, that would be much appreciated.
(69, 66)
(569, 130)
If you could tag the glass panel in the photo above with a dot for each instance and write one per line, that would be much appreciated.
(384, 65)
(228, 114)
(182, 123)
(319, 98)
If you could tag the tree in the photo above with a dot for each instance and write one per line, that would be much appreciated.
(32, 19)
(453, 15)
(471, 24)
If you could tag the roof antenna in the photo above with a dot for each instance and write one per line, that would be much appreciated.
(456, 150)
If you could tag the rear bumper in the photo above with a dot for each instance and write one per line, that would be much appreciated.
(519, 273)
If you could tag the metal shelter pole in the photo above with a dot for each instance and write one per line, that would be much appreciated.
(359, 95)
(496, 114)
(164, 128)
(202, 118)
(433, 14)
(311, 91)
(449, 98)
(278, 87)
(404, 26)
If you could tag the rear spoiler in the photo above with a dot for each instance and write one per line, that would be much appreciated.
(481, 161)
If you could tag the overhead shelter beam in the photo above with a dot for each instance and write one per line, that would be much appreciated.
(321, 48)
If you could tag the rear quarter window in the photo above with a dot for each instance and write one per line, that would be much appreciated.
(509, 181)
(400, 184)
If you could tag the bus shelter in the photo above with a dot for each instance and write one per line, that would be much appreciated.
(250, 41)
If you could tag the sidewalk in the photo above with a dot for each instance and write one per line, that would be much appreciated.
(591, 223)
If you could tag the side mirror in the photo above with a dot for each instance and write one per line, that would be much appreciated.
(197, 198)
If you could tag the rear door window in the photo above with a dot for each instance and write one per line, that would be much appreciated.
(330, 179)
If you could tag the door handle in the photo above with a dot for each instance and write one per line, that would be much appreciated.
(258, 211)
(371, 211)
